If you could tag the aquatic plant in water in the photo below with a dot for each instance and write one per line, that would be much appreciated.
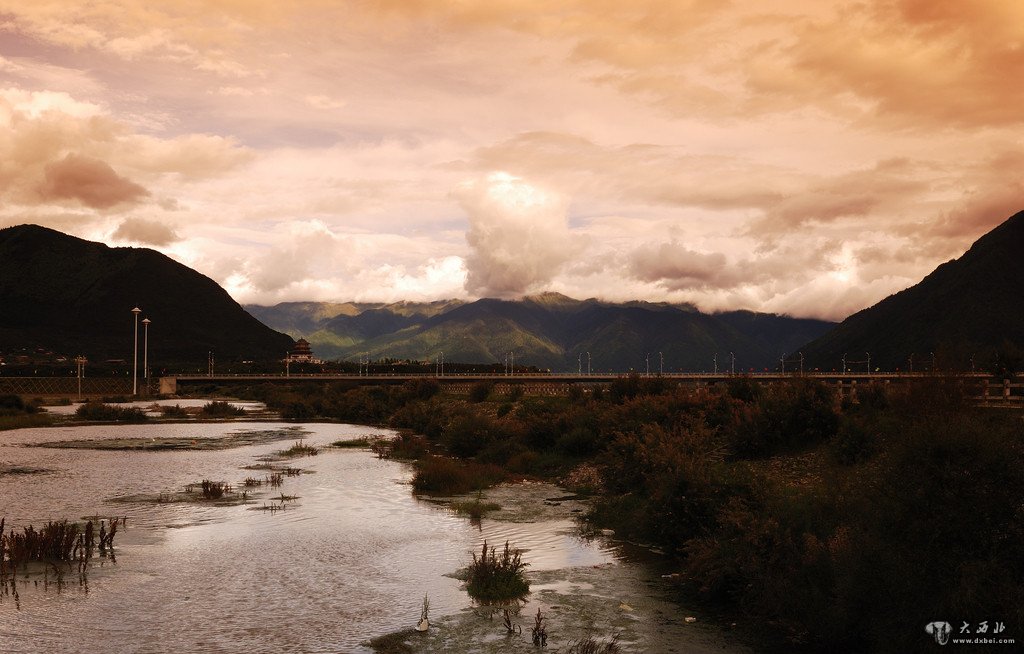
(61, 541)
(495, 577)
(589, 645)
(539, 631)
(300, 449)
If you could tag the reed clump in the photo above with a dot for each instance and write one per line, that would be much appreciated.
(101, 412)
(213, 490)
(300, 449)
(221, 409)
(495, 576)
(55, 542)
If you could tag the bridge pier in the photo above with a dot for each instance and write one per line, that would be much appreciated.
(168, 386)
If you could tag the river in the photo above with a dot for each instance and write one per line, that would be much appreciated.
(349, 559)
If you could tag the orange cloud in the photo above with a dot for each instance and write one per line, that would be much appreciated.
(90, 181)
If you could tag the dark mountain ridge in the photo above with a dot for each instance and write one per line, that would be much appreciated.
(965, 311)
(75, 297)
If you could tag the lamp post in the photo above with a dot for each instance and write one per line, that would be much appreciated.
(80, 361)
(135, 354)
(145, 351)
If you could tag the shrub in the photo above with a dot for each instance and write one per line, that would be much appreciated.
(853, 442)
(221, 409)
(441, 475)
(497, 577)
(173, 411)
(11, 405)
(471, 432)
(408, 446)
(480, 391)
(297, 412)
(105, 413)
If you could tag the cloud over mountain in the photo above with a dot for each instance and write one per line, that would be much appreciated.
(518, 236)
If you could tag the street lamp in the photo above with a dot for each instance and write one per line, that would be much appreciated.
(135, 354)
(145, 351)
(80, 361)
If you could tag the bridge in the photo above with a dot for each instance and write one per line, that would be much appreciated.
(983, 389)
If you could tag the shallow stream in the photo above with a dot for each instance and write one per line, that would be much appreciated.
(350, 559)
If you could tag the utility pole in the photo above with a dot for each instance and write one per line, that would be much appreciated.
(588, 363)
(661, 364)
(579, 364)
(716, 362)
(648, 364)
(732, 369)
(801, 363)
(135, 354)
(869, 361)
(844, 364)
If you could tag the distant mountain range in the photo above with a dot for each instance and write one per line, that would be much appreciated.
(548, 330)
(71, 296)
(971, 307)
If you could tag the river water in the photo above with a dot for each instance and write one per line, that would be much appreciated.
(351, 558)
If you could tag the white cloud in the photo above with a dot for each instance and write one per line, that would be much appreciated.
(518, 236)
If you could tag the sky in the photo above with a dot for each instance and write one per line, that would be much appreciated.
(799, 157)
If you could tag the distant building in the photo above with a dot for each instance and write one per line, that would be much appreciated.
(301, 353)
